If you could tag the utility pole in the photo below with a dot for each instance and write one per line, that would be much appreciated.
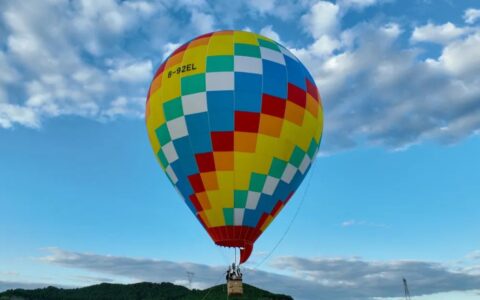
(190, 278)
(407, 292)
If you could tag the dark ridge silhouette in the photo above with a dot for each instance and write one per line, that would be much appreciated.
(140, 291)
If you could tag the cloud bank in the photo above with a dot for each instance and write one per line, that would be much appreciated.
(303, 278)
(381, 85)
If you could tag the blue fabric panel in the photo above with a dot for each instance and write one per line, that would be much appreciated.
(296, 74)
(274, 79)
(220, 110)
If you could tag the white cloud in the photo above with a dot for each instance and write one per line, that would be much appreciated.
(202, 21)
(357, 4)
(270, 33)
(323, 19)
(378, 93)
(125, 107)
(474, 255)
(375, 91)
(471, 15)
(133, 72)
(441, 34)
(351, 223)
(303, 278)
(461, 57)
(83, 64)
(11, 114)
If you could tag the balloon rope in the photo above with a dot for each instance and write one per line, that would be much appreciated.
(293, 219)
(216, 283)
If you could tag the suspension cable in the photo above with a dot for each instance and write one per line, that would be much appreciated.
(302, 200)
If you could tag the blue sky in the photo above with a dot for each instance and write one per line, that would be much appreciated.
(393, 193)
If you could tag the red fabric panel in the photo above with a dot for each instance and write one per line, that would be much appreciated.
(205, 162)
(297, 95)
(222, 140)
(276, 209)
(274, 106)
(196, 183)
(312, 89)
(204, 35)
(196, 203)
(159, 70)
(180, 49)
(247, 121)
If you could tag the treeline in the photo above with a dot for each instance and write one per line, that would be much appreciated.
(140, 291)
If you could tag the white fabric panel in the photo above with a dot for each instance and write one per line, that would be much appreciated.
(287, 52)
(171, 174)
(272, 55)
(169, 151)
(270, 185)
(195, 103)
(252, 200)
(177, 128)
(289, 172)
(248, 64)
(304, 165)
(238, 216)
(220, 81)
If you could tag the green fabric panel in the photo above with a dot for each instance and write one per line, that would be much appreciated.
(240, 199)
(312, 148)
(277, 167)
(257, 181)
(163, 159)
(228, 215)
(162, 134)
(193, 84)
(247, 50)
(268, 44)
(220, 63)
(297, 156)
(173, 109)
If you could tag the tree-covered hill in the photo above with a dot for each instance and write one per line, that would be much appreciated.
(140, 291)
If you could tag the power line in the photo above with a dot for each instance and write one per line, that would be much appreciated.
(407, 292)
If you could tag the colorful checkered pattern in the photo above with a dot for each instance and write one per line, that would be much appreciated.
(235, 121)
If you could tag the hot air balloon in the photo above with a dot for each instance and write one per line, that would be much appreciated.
(235, 121)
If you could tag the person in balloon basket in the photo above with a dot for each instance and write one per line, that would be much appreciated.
(234, 273)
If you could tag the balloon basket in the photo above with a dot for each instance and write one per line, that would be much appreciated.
(234, 287)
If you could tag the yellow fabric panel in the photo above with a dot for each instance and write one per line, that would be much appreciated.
(220, 198)
(153, 139)
(242, 180)
(156, 117)
(220, 45)
(171, 87)
(245, 38)
(195, 56)
(265, 144)
(215, 217)
(262, 163)
(318, 133)
(225, 180)
(243, 168)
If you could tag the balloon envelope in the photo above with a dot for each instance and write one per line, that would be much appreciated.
(235, 120)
